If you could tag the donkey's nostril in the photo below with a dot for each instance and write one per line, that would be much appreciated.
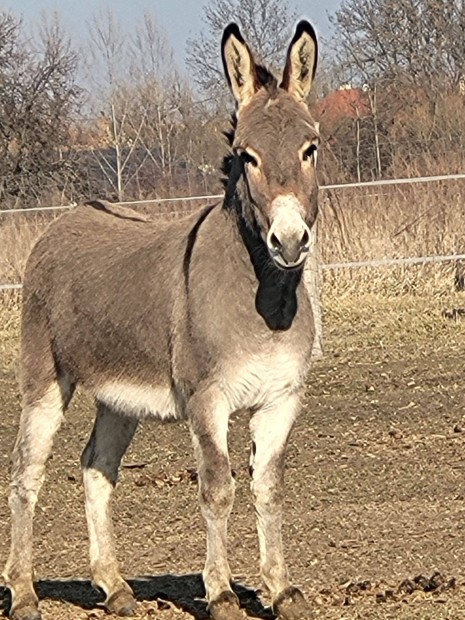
(275, 242)
(305, 239)
(288, 244)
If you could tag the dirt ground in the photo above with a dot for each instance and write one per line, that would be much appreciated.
(375, 510)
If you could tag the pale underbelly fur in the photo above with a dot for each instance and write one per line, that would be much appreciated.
(259, 381)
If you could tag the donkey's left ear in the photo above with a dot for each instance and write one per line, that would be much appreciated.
(301, 62)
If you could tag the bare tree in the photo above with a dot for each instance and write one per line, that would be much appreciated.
(417, 42)
(150, 52)
(158, 91)
(38, 100)
(142, 100)
(409, 55)
(107, 51)
(266, 24)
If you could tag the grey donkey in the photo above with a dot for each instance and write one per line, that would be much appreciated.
(191, 320)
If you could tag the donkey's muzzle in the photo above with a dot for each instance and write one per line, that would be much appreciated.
(289, 237)
(289, 251)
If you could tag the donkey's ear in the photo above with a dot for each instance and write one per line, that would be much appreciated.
(301, 62)
(239, 65)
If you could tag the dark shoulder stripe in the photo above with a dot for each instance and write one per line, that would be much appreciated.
(191, 239)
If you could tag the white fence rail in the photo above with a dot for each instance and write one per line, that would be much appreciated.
(380, 183)
(382, 262)
(127, 202)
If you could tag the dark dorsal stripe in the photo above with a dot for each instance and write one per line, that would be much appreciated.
(117, 211)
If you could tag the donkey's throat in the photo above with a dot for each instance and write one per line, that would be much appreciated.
(277, 289)
(276, 300)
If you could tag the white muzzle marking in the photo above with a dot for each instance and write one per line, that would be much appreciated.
(289, 237)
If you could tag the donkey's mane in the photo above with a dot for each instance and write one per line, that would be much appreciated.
(226, 164)
(267, 81)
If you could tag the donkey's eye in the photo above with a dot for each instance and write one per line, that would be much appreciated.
(248, 158)
(310, 153)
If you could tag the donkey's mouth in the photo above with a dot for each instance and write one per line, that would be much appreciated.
(280, 263)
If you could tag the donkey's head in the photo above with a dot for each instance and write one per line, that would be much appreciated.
(274, 145)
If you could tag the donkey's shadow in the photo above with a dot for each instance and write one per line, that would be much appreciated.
(185, 591)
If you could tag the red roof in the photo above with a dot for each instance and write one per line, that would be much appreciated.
(341, 104)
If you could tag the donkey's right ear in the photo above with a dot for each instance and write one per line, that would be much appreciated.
(239, 66)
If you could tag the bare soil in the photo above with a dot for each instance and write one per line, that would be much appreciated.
(375, 509)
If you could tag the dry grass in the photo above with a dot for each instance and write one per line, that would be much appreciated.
(17, 235)
(392, 222)
(360, 321)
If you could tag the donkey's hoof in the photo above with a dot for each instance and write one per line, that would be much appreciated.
(226, 607)
(121, 603)
(291, 605)
(25, 612)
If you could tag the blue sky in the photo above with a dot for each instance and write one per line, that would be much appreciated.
(180, 19)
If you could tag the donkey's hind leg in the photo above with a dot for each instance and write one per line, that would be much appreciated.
(101, 458)
(270, 429)
(40, 419)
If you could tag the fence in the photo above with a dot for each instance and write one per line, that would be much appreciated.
(354, 264)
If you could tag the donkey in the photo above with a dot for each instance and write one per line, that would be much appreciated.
(192, 319)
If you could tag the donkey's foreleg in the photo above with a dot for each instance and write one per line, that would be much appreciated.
(209, 418)
(270, 429)
(40, 420)
(100, 460)
(312, 276)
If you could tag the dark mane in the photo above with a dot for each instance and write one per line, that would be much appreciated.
(227, 159)
(266, 78)
(268, 81)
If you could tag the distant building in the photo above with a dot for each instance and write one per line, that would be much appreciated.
(340, 105)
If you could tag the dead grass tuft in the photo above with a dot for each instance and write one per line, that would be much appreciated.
(17, 236)
(411, 322)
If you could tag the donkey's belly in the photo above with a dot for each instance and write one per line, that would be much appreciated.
(141, 400)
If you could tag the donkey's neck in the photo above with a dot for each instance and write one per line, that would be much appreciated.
(276, 296)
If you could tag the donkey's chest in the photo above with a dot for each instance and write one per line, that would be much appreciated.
(263, 379)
